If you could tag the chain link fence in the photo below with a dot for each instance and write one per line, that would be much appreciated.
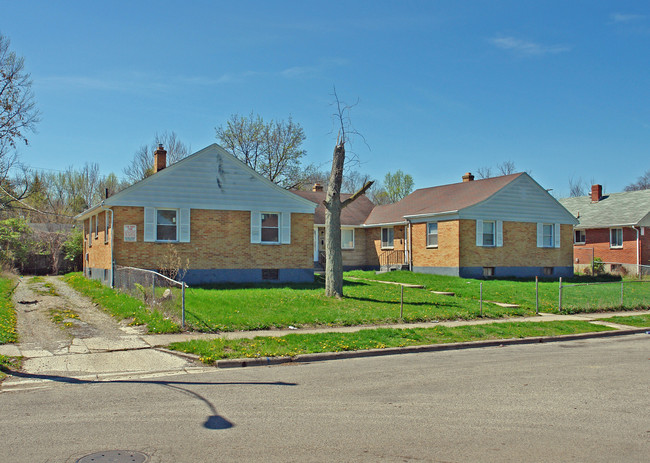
(155, 289)
(624, 294)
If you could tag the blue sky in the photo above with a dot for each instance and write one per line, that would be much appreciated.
(561, 88)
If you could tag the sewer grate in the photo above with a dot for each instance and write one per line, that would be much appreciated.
(115, 456)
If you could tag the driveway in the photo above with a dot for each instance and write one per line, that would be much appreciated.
(62, 333)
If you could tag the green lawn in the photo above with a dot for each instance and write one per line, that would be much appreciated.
(642, 321)
(122, 306)
(231, 307)
(522, 292)
(7, 312)
(296, 344)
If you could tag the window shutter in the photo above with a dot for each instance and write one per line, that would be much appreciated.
(479, 233)
(184, 225)
(149, 224)
(286, 228)
(256, 227)
(557, 235)
(540, 235)
(499, 233)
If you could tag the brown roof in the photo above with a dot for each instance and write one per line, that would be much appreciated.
(453, 197)
(354, 214)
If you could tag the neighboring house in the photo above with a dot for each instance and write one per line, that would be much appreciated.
(210, 210)
(353, 235)
(506, 226)
(613, 227)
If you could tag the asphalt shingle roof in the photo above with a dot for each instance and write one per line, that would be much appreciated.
(615, 209)
(354, 213)
(444, 198)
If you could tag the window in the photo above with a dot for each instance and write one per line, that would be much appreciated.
(387, 237)
(347, 238)
(270, 274)
(90, 232)
(96, 226)
(432, 235)
(615, 237)
(166, 225)
(270, 228)
(547, 271)
(488, 233)
(579, 237)
(548, 237)
(488, 271)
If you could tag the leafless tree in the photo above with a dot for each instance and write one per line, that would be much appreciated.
(577, 187)
(484, 172)
(273, 149)
(506, 168)
(141, 165)
(334, 205)
(642, 183)
(18, 115)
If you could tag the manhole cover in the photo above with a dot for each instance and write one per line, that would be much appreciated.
(116, 456)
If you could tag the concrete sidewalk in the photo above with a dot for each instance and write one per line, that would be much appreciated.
(143, 355)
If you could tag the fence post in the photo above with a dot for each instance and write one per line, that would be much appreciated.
(560, 297)
(480, 296)
(153, 288)
(621, 293)
(401, 303)
(183, 306)
(536, 295)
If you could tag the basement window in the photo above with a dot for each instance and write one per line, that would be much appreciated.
(547, 271)
(270, 274)
(488, 271)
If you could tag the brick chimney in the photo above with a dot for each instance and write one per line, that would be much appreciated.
(468, 177)
(159, 159)
(596, 193)
(317, 187)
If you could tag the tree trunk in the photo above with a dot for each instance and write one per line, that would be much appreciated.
(334, 259)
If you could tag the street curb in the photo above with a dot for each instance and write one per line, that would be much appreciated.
(319, 357)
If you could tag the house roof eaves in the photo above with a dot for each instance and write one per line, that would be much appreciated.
(430, 214)
(387, 224)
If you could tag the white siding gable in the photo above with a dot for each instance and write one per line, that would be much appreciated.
(522, 200)
(211, 179)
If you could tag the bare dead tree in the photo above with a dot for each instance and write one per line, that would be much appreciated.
(642, 183)
(506, 168)
(334, 205)
(577, 187)
(141, 165)
(484, 172)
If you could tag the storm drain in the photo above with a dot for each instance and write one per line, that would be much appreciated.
(115, 456)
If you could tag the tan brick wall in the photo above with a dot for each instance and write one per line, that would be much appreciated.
(356, 257)
(218, 240)
(373, 243)
(99, 254)
(447, 253)
(519, 247)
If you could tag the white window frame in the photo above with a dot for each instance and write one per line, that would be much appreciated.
(159, 209)
(545, 227)
(611, 235)
(90, 232)
(583, 236)
(345, 241)
(97, 226)
(390, 242)
(494, 233)
(279, 227)
(430, 234)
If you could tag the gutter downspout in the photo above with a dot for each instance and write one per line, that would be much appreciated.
(101, 205)
(638, 253)
(410, 236)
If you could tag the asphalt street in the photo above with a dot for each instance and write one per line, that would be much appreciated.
(567, 401)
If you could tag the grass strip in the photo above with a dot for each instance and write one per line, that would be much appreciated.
(7, 364)
(241, 307)
(121, 306)
(291, 345)
(7, 312)
(641, 321)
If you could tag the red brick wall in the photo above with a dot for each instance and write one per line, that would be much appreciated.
(598, 239)
(219, 240)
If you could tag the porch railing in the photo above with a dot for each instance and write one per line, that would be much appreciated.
(391, 258)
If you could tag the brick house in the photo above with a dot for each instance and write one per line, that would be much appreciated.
(230, 223)
(506, 226)
(613, 227)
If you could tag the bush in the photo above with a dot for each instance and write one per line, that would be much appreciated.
(15, 243)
